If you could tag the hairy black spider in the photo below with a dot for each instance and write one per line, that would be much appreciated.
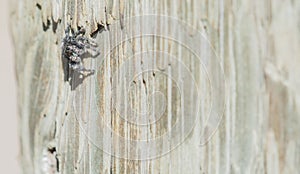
(74, 46)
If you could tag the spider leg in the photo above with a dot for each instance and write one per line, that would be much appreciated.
(94, 52)
(79, 32)
(67, 30)
(75, 50)
(87, 42)
(92, 43)
(80, 68)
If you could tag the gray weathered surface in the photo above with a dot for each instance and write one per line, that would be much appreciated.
(256, 41)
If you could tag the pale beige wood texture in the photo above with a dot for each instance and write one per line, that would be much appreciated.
(256, 41)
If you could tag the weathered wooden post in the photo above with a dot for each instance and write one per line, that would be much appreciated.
(179, 86)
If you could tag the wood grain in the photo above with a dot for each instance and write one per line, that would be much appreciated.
(68, 131)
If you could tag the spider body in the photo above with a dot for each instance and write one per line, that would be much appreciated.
(74, 46)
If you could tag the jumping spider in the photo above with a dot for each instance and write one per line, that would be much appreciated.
(75, 46)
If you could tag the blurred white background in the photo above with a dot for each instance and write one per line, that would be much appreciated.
(9, 150)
